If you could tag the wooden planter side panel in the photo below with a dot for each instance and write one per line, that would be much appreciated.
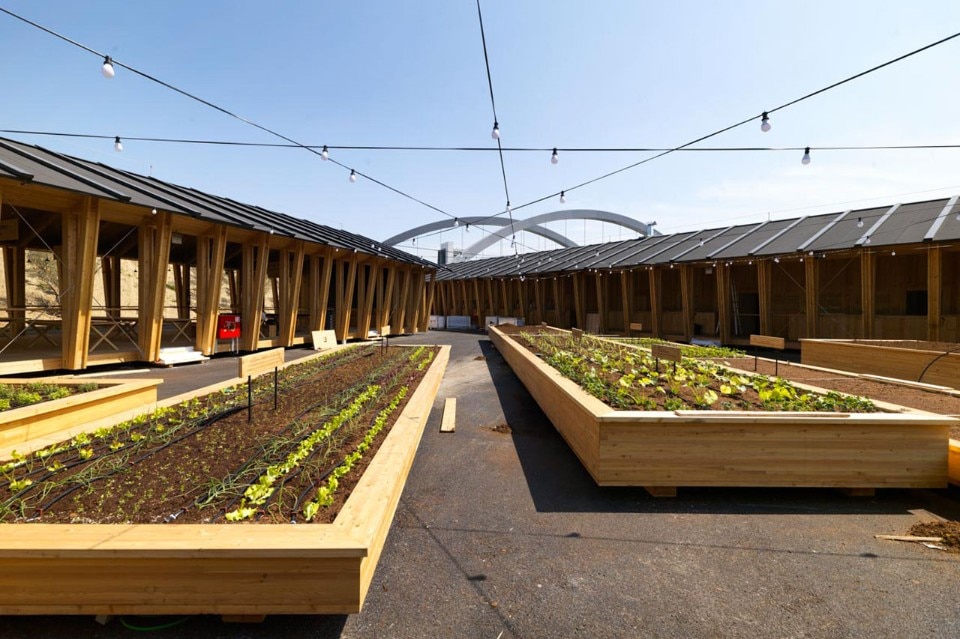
(900, 363)
(571, 410)
(156, 569)
(30, 422)
(860, 451)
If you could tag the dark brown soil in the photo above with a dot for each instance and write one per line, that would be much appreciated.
(949, 531)
(502, 428)
(177, 482)
(931, 401)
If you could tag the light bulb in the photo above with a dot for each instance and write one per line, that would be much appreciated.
(107, 68)
(958, 217)
(554, 158)
(867, 241)
(353, 175)
(859, 222)
(509, 210)
(456, 222)
(414, 240)
(806, 156)
(153, 211)
(893, 253)
(467, 227)
(324, 154)
(563, 200)
(764, 122)
(701, 242)
(117, 144)
(776, 260)
(495, 134)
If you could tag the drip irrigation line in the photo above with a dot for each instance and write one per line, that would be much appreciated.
(163, 626)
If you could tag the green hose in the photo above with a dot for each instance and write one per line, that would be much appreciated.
(129, 626)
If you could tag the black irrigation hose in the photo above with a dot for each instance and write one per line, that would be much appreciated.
(935, 360)
(206, 423)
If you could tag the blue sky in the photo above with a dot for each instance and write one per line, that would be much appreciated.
(565, 73)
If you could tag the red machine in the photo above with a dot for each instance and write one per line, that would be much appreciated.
(228, 327)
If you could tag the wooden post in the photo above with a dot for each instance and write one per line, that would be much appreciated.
(323, 300)
(345, 292)
(425, 321)
(291, 277)
(625, 305)
(723, 302)
(812, 284)
(417, 288)
(233, 285)
(366, 313)
(211, 253)
(934, 292)
(655, 302)
(400, 314)
(601, 300)
(110, 276)
(868, 271)
(578, 301)
(686, 299)
(538, 300)
(154, 256)
(385, 310)
(764, 282)
(492, 299)
(256, 257)
(181, 287)
(558, 307)
(15, 274)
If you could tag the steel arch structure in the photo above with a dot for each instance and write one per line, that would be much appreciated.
(530, 224)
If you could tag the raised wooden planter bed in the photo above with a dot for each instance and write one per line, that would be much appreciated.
(904, 359)
(112, 397)
(661, 450)
(246, 570)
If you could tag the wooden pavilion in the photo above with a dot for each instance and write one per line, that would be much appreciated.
(72, 231)
(890, 272)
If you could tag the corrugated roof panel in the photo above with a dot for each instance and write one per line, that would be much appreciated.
(715, 242)
(845, 233)
(755, 238)
(790, 241)
(909, 223)
(949, 229)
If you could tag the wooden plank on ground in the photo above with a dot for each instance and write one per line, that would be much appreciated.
(768, 341)
(931, 540)
(323, 340)
(669, 353)
(448, 423)
(257, 363)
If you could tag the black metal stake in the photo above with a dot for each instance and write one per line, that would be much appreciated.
(776, 367)
(249, 399)
(276, 382)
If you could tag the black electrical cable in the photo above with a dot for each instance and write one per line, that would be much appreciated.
(214, 106)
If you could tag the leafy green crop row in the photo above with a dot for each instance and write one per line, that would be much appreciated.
(688, 350)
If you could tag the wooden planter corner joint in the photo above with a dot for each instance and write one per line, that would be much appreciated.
(663, 450)
(254, 569)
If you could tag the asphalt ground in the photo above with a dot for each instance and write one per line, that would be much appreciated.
(504, 535)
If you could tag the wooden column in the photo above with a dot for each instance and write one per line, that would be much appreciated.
(366, 313)
(154, 256)
(233, 286)
(291, 277)
(253, 278)
(346, 284)
(723, 301)
(934, 292)
(386, 308)
(15, 274)
(418, 286)
(686, 299)
(868, 271)
(321, 301)
(577, 300)
(601, 300)
(400, 308)
(765, 284)
(211, 253)
(181, 288)
(625, 296)
(558, 307)
(812, 285)
(655, 302)
(431, 291)
(538, 300)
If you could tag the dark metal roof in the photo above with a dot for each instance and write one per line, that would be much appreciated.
(36, 165)
(892, 225)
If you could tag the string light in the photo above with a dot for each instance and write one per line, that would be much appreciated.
(107, 68)
(776, 260)
(764, 122)
(701, 242)
(563, 200)
(456, 222)
(495, 134)
(859, 222)
(958, 217)
(554, 158)
(353, 175)
(324, 154)
(117, 144)
(893, 253)
(867, 241)
(153, 211)
(806, 156)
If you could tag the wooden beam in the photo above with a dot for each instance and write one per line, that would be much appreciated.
(625, 297)
(601, 299)
(538, 300)
(291, 278)
(400, 312)
(723, 301)
(256, 257)
(345, 290)
(868, 271)
(425, 320)
(181, 287)
(934, 292)
(211, 253)
(155, 234)
(387, 307)
(15, 275)
(419, 286)
(323, 300)
(578, 301)
(363, 322)
(80, 232)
